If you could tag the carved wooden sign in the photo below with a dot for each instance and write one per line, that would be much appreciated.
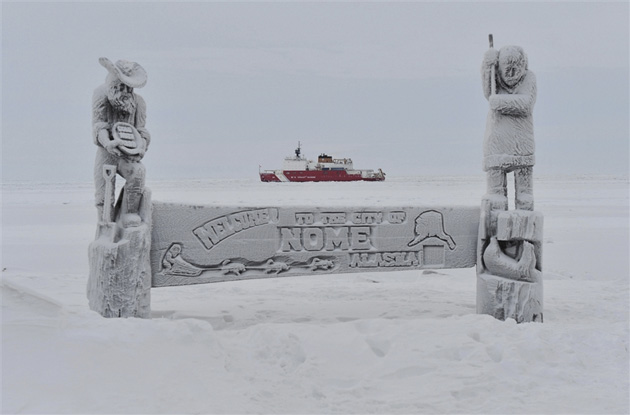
(203, 244)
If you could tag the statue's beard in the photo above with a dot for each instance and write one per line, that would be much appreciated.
(122, 101)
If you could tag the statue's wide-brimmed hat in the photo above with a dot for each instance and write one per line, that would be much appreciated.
(129, 73)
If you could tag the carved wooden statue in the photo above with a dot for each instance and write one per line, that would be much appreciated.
(509, 263)
(120, 271)
(118, 126)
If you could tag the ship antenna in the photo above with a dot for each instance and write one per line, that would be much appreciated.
(297, 150)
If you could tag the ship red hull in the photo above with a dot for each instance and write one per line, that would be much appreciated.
(316, 176)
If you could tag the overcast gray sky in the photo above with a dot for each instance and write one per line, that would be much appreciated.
(235, 85)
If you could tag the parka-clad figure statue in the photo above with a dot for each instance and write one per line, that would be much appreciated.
(509, 261)
(118, 123)
(510, 88)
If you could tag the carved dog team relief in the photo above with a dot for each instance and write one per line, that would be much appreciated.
(201, 244)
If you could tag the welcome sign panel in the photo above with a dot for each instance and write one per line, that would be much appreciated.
(204, 244)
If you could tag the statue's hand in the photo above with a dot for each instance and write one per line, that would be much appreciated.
(135, 158)
(112, 147)
(496, 102)
(141, 151)
(491, 57)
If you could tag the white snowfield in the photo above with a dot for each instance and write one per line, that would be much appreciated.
(386, 342)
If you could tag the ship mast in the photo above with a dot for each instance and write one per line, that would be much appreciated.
(297, 151)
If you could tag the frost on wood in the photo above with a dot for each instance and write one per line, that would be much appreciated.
(193, 244)
(120, 268)
(509, 267)
(509, 262)
(120, 134)
(120, 272)
(196, 244)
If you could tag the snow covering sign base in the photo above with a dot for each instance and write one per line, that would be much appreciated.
(201, 244)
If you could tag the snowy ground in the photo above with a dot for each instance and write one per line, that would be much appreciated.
(404, 342)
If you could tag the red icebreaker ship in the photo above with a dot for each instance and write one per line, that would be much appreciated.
(327, 169)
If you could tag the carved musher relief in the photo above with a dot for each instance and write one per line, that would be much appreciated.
(197, 244)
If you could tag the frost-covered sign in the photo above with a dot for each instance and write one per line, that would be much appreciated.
(196, 244)
(142, 244)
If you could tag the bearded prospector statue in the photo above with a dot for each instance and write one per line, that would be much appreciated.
(120, 276)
